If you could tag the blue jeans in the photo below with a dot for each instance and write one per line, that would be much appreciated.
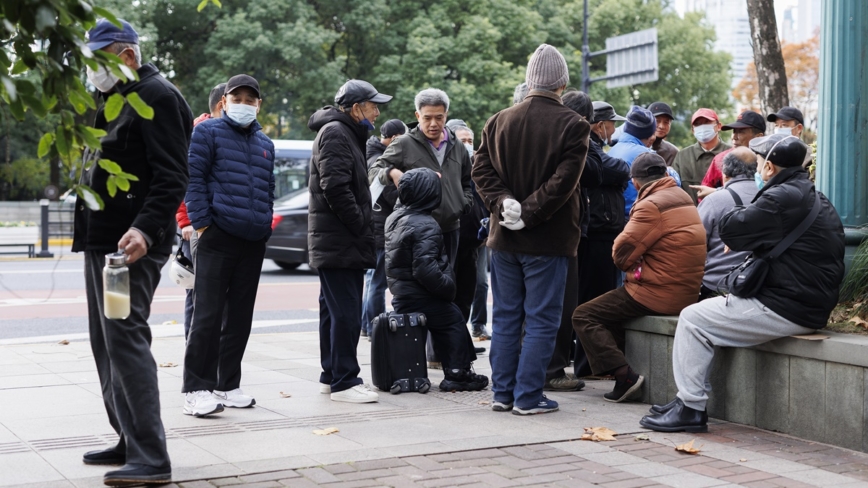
(374, 297)
(527, 289)
(479, 310)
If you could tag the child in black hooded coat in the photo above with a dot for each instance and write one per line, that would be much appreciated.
(421, 280)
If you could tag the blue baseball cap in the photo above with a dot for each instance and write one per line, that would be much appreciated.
(105, 33)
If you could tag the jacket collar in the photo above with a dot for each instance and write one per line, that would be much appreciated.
(737, 179)
(250, 129)
(796, 172)
(697, 151)
(420, 138)
(145, 71)
(630, 138)
(655, 186)
(544, 94)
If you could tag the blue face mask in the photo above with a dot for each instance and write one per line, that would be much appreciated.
(759, 180)
(367, 124)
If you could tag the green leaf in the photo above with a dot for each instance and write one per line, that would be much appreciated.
(128, 176)
(49, 102)
(9, 85)
(217, 3)
(202, 5)
(108, 16)
(35, 105)
(62, 143)
(78, 102)
(19, 67)
(16, 106)
(113, 107)
(123, 183)
(139, 105)
(110, 166)
(89, 138)
(45, 145)
(90, 197)
(112, 186)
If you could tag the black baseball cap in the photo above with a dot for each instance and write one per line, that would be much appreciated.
(660, 108)
(104, 34)
(358, 91)
(603, 111)
(788, 113)
(748, 118)
(647, 164)
(782, 150)
(239, 81)
(393, 127)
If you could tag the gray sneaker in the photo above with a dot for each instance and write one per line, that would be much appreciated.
(501, 406)
(565, 383)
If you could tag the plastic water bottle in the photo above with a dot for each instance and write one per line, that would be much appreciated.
(116, 286)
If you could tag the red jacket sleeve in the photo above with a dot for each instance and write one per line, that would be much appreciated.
(181, 216)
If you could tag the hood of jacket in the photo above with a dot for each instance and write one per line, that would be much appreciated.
(374, 147)
(329, 114)
(655, 186)
(419, 191)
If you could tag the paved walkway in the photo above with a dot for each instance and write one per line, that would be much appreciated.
(51, 412)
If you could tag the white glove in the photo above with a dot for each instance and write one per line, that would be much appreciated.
(511, 211)
(513, 225)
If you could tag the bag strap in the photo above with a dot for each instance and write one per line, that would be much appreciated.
(798, 231)
(738, 202)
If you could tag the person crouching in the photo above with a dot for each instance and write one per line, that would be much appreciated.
(421, 279)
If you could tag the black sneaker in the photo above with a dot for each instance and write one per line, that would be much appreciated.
(463, 380)
(544, 406)
(364, 333)
(480, 334)
(110, 456)
(625, 389)
(136, 474)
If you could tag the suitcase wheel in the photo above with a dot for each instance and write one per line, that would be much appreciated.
(395, 389)
(423, 320)
(393, 324)
(425, 387)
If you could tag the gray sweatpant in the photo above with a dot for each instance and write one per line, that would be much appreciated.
(723, 322)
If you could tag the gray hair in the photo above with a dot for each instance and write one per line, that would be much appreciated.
(462, 128)
(734, 166)
(520, 93)
(432, 97)
(119, 47)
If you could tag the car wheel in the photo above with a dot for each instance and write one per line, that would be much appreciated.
(287, 265)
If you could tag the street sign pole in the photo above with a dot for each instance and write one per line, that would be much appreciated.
(586, 51)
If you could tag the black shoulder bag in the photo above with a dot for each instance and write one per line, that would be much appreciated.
(747, 279)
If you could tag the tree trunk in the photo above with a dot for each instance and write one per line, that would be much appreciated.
(770, 70)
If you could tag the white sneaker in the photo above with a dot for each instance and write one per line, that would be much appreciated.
(201, 403)
(234, 399)
(357, 394)
(325, 389)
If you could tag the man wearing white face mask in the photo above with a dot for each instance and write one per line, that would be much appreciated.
(790, 121)
(692, 162)
(141, 221)
(229, 202)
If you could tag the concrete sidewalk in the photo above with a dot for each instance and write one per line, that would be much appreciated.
(51, 412)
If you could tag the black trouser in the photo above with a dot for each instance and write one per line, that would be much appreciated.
(465, 277)
(227, 277)
(564, 340)
(340, 306)
(188, 300)
(597, 275)
(450, 247)
(126, 368)
(447, 328)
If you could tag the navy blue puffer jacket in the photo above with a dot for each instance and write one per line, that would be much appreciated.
(231, 178)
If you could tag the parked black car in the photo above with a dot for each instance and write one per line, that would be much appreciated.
(288, 243)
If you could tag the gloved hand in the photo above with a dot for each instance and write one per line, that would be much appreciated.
(511, 211)
(513, 225)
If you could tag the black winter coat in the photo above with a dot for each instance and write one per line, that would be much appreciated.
(153, 150)
(607, 200)
(386, 203)
(417, 266)
(340, 230)
(802, 284)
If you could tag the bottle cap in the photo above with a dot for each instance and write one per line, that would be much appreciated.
(116, 259)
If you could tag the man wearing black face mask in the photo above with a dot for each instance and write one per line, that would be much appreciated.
(341, 232)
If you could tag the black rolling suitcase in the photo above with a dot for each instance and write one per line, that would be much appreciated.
(398, 353)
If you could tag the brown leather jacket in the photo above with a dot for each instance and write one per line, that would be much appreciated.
(666, 240)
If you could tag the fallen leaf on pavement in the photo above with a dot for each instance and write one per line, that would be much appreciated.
(284, 395)
(170, 322)
(167, 365)
(64, 342)
(642, 437)
(484, 402)
(598, 434)
(742, 460)
(330, 430)
(688, 448)
(584, 409)
(859, 321)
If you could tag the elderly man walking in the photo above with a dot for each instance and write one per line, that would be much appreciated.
(527, 172)
(341, 233)
(140, 222)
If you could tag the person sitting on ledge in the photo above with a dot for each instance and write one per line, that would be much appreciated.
(797, 294)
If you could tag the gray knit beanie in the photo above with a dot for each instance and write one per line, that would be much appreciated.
(547, 69)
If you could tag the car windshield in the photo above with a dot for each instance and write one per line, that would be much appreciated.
(297, 198)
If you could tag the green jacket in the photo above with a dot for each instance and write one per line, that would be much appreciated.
(692, 163)
(414, 151)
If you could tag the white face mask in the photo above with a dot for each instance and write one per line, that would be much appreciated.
(704, 133)
(784, 130)
(102, 79)
(242, 114)
(469, 148)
